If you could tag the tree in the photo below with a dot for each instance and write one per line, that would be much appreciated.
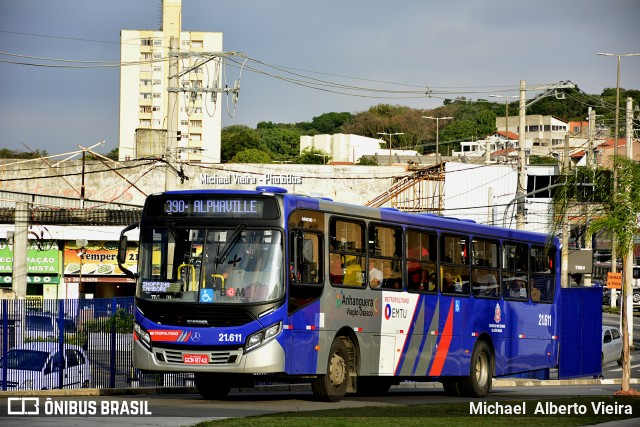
(314, 156)
(283, 143)
(368, 161)
(251, 155)
(617, 216)
(237, 138)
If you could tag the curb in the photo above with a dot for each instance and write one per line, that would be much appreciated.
(497, 382)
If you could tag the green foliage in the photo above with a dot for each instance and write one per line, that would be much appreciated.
(79, 339)
(314, 156)
(368, 161)
(283, 143)
(251, 155)
(237, 138)
(121, 320)
(5, 153)
(542, 160)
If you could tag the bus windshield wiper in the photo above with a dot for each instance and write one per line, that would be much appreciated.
(227, 247)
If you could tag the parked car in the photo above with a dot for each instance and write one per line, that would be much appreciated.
(635, 298)
(611, 345)
(39, 365)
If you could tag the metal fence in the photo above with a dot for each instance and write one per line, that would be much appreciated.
(72, 343)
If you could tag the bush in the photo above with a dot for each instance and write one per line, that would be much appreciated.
(121, 320)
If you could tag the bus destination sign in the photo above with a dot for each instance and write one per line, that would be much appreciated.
(251, 208)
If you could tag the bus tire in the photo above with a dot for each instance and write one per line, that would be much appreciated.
(372, 386)
(478, 383)
(332, 386)
(212, 386)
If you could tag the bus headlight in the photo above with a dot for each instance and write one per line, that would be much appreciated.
(263, 336)
(143, 336)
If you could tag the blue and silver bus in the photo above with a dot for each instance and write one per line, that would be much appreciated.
(245, 286)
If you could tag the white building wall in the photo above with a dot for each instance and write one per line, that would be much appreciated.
(203, 112)
(129, 92)
(467, 188)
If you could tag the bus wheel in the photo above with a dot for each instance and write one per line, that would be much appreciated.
(332, 386)
(478, 383)
(212, 386)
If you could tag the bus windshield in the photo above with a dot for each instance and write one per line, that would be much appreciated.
(211, 265)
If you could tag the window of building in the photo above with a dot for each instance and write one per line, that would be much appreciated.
(157, 68)
(157, 42)
(196, 43)
(145, 123)
(157, 82)
(145, 108)
(157, 95)
(145, 56)
(196, 123)
(145, 82)
(145, 95)
(185, 43)
(156, 108)
(184, 122)
(155, 122)
(195, 137)
(145, 42)
(157, 56)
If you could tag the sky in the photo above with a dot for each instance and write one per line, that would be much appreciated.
(346, 55)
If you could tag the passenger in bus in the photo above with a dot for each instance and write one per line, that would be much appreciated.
(448, 286)
(417, 275)
(485, 283)
(375, 275)
(336, 273)
(518, 289)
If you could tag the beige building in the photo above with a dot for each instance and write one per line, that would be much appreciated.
(544, 135)
(144, 91)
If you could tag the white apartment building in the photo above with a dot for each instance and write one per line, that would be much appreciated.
(348, 148)
(144, 91)
(543, 135)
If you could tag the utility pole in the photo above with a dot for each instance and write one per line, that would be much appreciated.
(564, 267)
(520, 215)
(20, 242)
(628, 266)
(170, 181)
(590, 163)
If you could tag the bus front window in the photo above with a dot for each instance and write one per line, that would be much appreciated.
(211, 265)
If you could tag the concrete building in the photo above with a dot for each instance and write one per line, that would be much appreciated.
(543, 135)
(345, 148)
(144, 91)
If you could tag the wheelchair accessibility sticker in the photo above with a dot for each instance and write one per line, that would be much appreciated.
(457, 306)
(206, 295)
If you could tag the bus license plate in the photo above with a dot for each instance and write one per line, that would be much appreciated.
(195, 359)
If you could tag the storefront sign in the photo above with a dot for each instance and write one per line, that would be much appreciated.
(43, 259)
(7, 279)
(97, 258)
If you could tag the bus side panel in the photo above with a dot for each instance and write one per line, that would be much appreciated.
(580, 332)
(532, 331)
(420, 345)
(302, 330)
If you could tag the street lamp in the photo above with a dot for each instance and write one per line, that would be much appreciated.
(615, 146)
(390, 135)
(626, 321)
(506, 103)
(437, 119)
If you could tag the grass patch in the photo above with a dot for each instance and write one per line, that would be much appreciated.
(447, 414)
